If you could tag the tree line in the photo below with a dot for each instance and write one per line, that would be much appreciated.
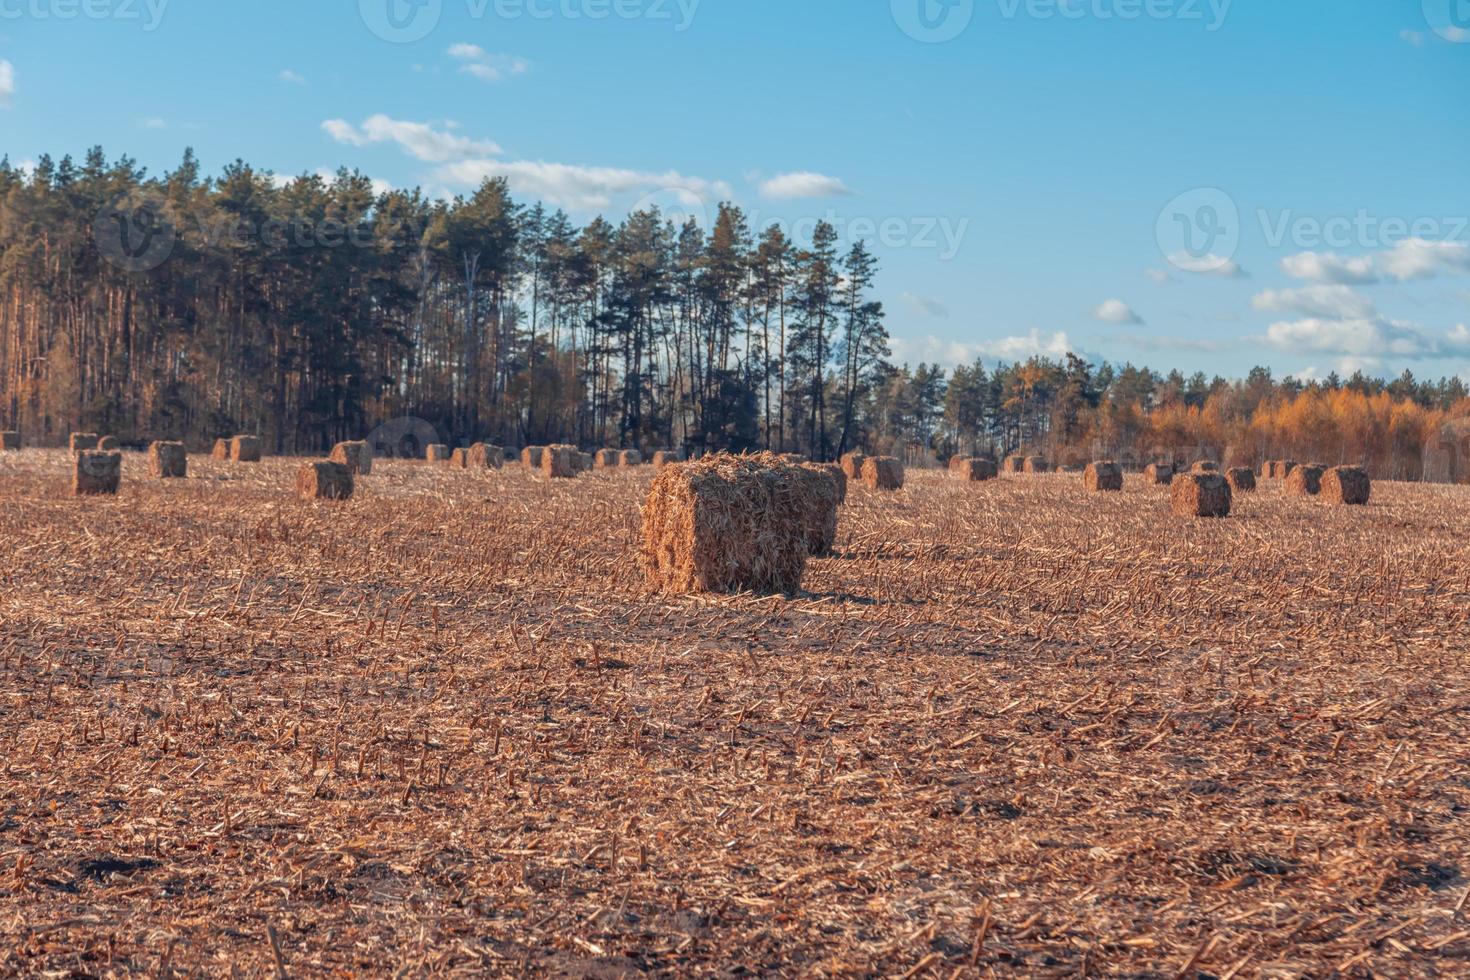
(309, 310)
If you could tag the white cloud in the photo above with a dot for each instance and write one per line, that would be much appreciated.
(1118, 312)
(1209, 265)
(579, 187)
(788, 187)
(1412, 37)
(154, 122)
(1330, 267)
(7, 83)
(1160, 276)
(1367, 339)
(925, 306)
(1416, 258)
(1327, 301)
(290, 77)
(419, 140)
(932, 349)
(485, 66)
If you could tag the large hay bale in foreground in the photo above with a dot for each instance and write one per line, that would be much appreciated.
(484, 457)
(559, 462)
(882, 473)
(1036, 464)
(726, 523)
(324, 480)
(834, 470)
(1159, 474)
(630, 457)
(1242, 479)
(437, 453)
(1305, 481)
(852, 465)
(1348, 485)
(357, 456)
(83, 441)
(1103, 476)
(531, 457)
(221, 450)
(9, 441)
(96, 473)
(976, 470)
(816, 504)
(245, 449)
(168, 461)
(1200, 495)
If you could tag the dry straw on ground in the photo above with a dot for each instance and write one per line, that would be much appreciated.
(852, 465)
(9, 441)
(168, 461)
(1305, 480)
(560, 462)
(531, 457)
(324, 480)
(882, 473)
(82, 441)
(1103, 475)
(96, 472)
(1242, 479)
(1347, 485)
(1201, 495)
(245, 449)
(446, 729)
(357, 456)
(727, 523)
(1158, 474)
(976, 470)
(1035, 464)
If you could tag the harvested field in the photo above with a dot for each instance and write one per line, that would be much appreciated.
(1018, 732)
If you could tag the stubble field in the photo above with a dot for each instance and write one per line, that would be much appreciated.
(444, 728)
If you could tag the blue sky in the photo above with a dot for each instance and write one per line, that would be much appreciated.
(1201, 184)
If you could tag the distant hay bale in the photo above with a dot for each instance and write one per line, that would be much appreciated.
(584, 462)
(96, 473)
(483, 457)
(324, 480)
(83, 441)
(1348, 485)
(437, 453)
(168, 461)
(727, 523)
(459, 459)
(221, 450)
(1014, 464)
(852, 465)
(834, 470)
(975, 470)
(1200, 495)
(1205, 466)
(1242, 479)
(1103, 476)
(245, 449)
(1158, 474)
(559, 462)
(1285, 468)
(630, 457)
(357, 456)
(108, 444)
(882, 473)
(666, 457)
(1304, 481)
(1036, 464)
(957, 464)
(606, 459)
(531, 457)
(9, 441)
